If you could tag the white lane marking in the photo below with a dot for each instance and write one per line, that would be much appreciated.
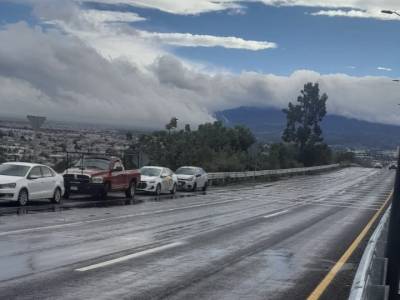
(130, 256)
(276, 214)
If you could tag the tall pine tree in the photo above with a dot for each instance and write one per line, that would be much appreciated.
(303, 125)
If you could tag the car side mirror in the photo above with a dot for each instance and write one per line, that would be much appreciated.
(198, 175)
(163, 176)
(117, 169)
(33, 177)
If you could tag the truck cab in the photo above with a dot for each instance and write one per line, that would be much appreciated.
(98, 175)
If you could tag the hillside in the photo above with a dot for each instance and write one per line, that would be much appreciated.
(267, 124)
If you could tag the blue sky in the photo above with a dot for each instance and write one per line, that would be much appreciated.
(324, 44)
(197, 56)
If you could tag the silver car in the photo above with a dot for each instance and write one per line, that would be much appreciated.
(192, 178)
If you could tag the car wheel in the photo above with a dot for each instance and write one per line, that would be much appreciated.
(130, 192)
(158, 190)
(205, 187)
(194, 187)
(57, 196)
(173, 191)
(23, 197)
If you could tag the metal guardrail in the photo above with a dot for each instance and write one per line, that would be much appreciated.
(250, 174)
(370, 279)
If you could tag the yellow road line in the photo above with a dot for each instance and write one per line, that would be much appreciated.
(322, 286)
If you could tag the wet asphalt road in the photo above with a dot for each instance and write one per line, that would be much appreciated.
(266, 241)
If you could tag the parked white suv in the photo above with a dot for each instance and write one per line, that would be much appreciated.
(192, 178)
(22, 182)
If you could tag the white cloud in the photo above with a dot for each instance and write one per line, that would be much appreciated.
(47, 72)
(97, 68)
(349, 96)
(384, 69)
(111, 36)
(98, 16)
(109, 33)
(356, 14)
(58, 76)
(182, 7)
(347, 8)
(354, 8)
(344, 8)
(197, 40)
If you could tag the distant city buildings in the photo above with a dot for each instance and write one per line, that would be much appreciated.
(54, 140)
(16, 142)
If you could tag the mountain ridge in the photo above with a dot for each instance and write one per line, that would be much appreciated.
(268, 124)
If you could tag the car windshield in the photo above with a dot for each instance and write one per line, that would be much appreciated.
(13, 170)
(150, 171)
(186, 171)
(93, 163)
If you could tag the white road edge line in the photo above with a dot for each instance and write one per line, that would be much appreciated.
(276, 214)
(130, 256)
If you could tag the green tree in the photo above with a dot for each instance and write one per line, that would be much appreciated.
(281, 156)
(212, 146)
(2, 156)
(303, 125)
(2, 151)
(344, 157)
(173, 124)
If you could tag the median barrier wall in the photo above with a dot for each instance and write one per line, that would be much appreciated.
(370, 279)
(224, 177)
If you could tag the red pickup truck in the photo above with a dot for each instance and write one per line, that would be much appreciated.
(97, 175)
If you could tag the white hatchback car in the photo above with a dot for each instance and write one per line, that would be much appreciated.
(22, 182)
(192, 178)
(157, 180)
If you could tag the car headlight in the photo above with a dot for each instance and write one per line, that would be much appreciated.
(97, 179)
(8, 186)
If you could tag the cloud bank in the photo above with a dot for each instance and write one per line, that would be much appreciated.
(331, 8)
(182, 7)
(340, 8)
(49, 73)
(197, 40)
(95, 66)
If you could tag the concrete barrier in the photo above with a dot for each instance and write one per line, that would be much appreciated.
(370, 279)
(232, 176)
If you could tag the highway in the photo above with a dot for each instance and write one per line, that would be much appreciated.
(273, 240)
